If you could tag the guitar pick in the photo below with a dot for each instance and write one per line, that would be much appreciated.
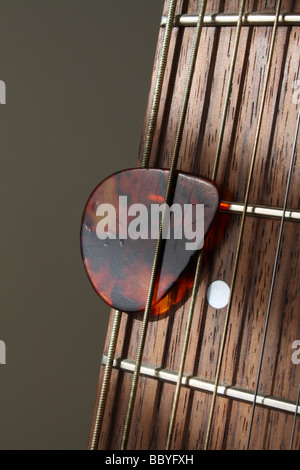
(120, 228)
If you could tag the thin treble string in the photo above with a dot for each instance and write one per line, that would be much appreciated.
(146, 156)
(242, 225)
(295, 418)
(158, 250)
(273, 278)
(200, 257)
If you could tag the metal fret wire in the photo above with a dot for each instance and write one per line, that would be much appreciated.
(273, 280)
(253, 158)
(230, 19)
(193, 382)
(295, 418)
(171, 180)
(146, 156)
(200, 257)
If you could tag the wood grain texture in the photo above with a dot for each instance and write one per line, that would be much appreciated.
(279, 376)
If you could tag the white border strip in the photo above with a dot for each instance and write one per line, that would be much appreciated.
(205, 386)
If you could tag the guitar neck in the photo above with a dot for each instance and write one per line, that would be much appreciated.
(258, 362)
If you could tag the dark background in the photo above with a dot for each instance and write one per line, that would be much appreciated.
(77, 74)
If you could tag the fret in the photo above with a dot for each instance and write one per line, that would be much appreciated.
(230, 19)
(262, 211)
(194, 382)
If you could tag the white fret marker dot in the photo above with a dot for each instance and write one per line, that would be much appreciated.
(218, 294)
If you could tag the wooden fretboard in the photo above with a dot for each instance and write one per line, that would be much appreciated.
(276, 408)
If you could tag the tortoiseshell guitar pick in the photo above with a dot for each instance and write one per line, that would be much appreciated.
(119, 266)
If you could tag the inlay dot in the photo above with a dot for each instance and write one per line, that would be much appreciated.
(218, 294)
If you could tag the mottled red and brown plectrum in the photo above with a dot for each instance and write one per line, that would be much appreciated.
(120, 227)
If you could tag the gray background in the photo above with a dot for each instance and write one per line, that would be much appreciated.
(77, 74)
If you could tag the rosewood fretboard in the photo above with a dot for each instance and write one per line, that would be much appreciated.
(280, 375)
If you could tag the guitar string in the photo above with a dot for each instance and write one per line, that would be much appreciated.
(200, 257)
(106, 380)
(273, 279)
(295, 419)
(170, 186)
(146, 156)
(158, 85)
(241, 231)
